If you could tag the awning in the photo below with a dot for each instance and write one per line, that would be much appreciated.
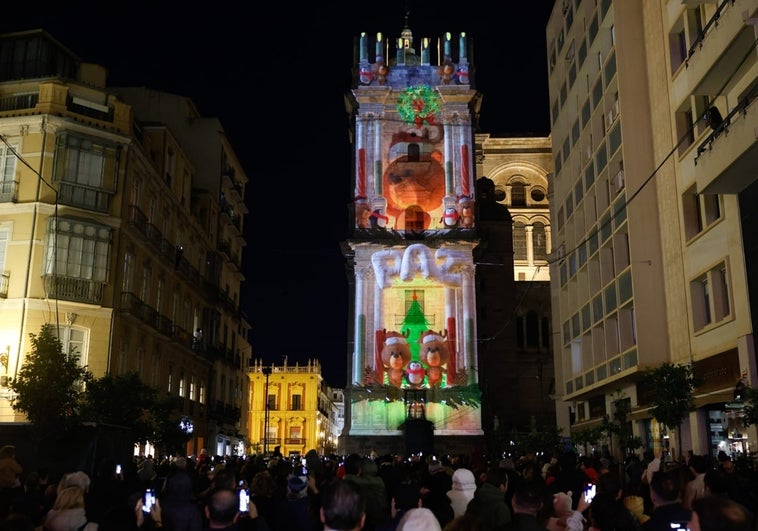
(713, 397)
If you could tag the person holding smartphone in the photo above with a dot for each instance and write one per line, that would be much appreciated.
(222, 513)
(148, 506)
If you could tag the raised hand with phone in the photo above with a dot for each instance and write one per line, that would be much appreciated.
(148, 504)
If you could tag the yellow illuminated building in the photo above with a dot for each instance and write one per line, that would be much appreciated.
(290, 404)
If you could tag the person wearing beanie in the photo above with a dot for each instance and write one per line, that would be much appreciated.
(419, 519)
(464, 485)
(293, 512)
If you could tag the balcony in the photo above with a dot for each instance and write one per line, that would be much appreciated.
(5, 279)
(182, 337)
(8, 191)
(17, 102)
(138, 220)
(90, 109)
(88, 197)
(73, 289)
(710, 60)
(725, 161)
(133, 305)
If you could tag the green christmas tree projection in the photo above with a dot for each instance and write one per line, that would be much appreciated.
(416, 324)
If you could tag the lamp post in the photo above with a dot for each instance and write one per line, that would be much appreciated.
(266, 372)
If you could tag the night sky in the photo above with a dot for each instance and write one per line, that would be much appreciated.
(277, 81)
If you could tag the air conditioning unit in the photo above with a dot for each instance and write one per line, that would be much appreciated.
(617, 182)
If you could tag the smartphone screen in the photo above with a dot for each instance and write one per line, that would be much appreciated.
(149, 500)
(589, 492)
(244, 496)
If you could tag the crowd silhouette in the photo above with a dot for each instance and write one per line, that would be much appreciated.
(381, 493)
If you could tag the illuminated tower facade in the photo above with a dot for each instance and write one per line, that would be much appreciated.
(413, 349)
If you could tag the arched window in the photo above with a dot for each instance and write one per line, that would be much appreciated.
(519, 241)
(539, 241)
(414, 219)
(518, 194)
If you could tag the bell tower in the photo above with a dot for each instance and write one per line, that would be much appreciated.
(412, 355)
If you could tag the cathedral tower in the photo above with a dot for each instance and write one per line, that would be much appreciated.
(413, 350)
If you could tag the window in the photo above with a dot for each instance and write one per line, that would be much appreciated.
(296, 402)
(147, 280)
(519, 240)
(677, 45)
(699, 211)
(74, 341)
(539, 241)
(518, 193)
(159, 295)
(4, 234)
(272, 402)
(711, 301)
(156, 371)
(181, 385)
(78, 249)
(7, 173)
(128, 272)
(414, 296)
(201, 393)
(87, 170)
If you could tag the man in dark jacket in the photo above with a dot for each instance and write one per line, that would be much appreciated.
(528, 499)
(667, 503)
(488, 503)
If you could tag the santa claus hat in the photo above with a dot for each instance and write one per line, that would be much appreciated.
(393, 338)
(431, 336)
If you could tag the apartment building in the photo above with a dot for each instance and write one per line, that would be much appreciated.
(209, 257)
(111, 232)
(653, 109)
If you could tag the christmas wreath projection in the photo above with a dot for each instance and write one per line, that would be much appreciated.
(418, 105)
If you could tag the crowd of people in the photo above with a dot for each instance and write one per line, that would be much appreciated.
(562, 492)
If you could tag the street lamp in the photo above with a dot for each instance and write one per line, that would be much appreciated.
(266, 372)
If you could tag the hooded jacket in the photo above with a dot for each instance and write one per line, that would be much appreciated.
(464, 485)
(68, 520)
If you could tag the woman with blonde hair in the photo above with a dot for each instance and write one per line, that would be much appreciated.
(68, 512)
